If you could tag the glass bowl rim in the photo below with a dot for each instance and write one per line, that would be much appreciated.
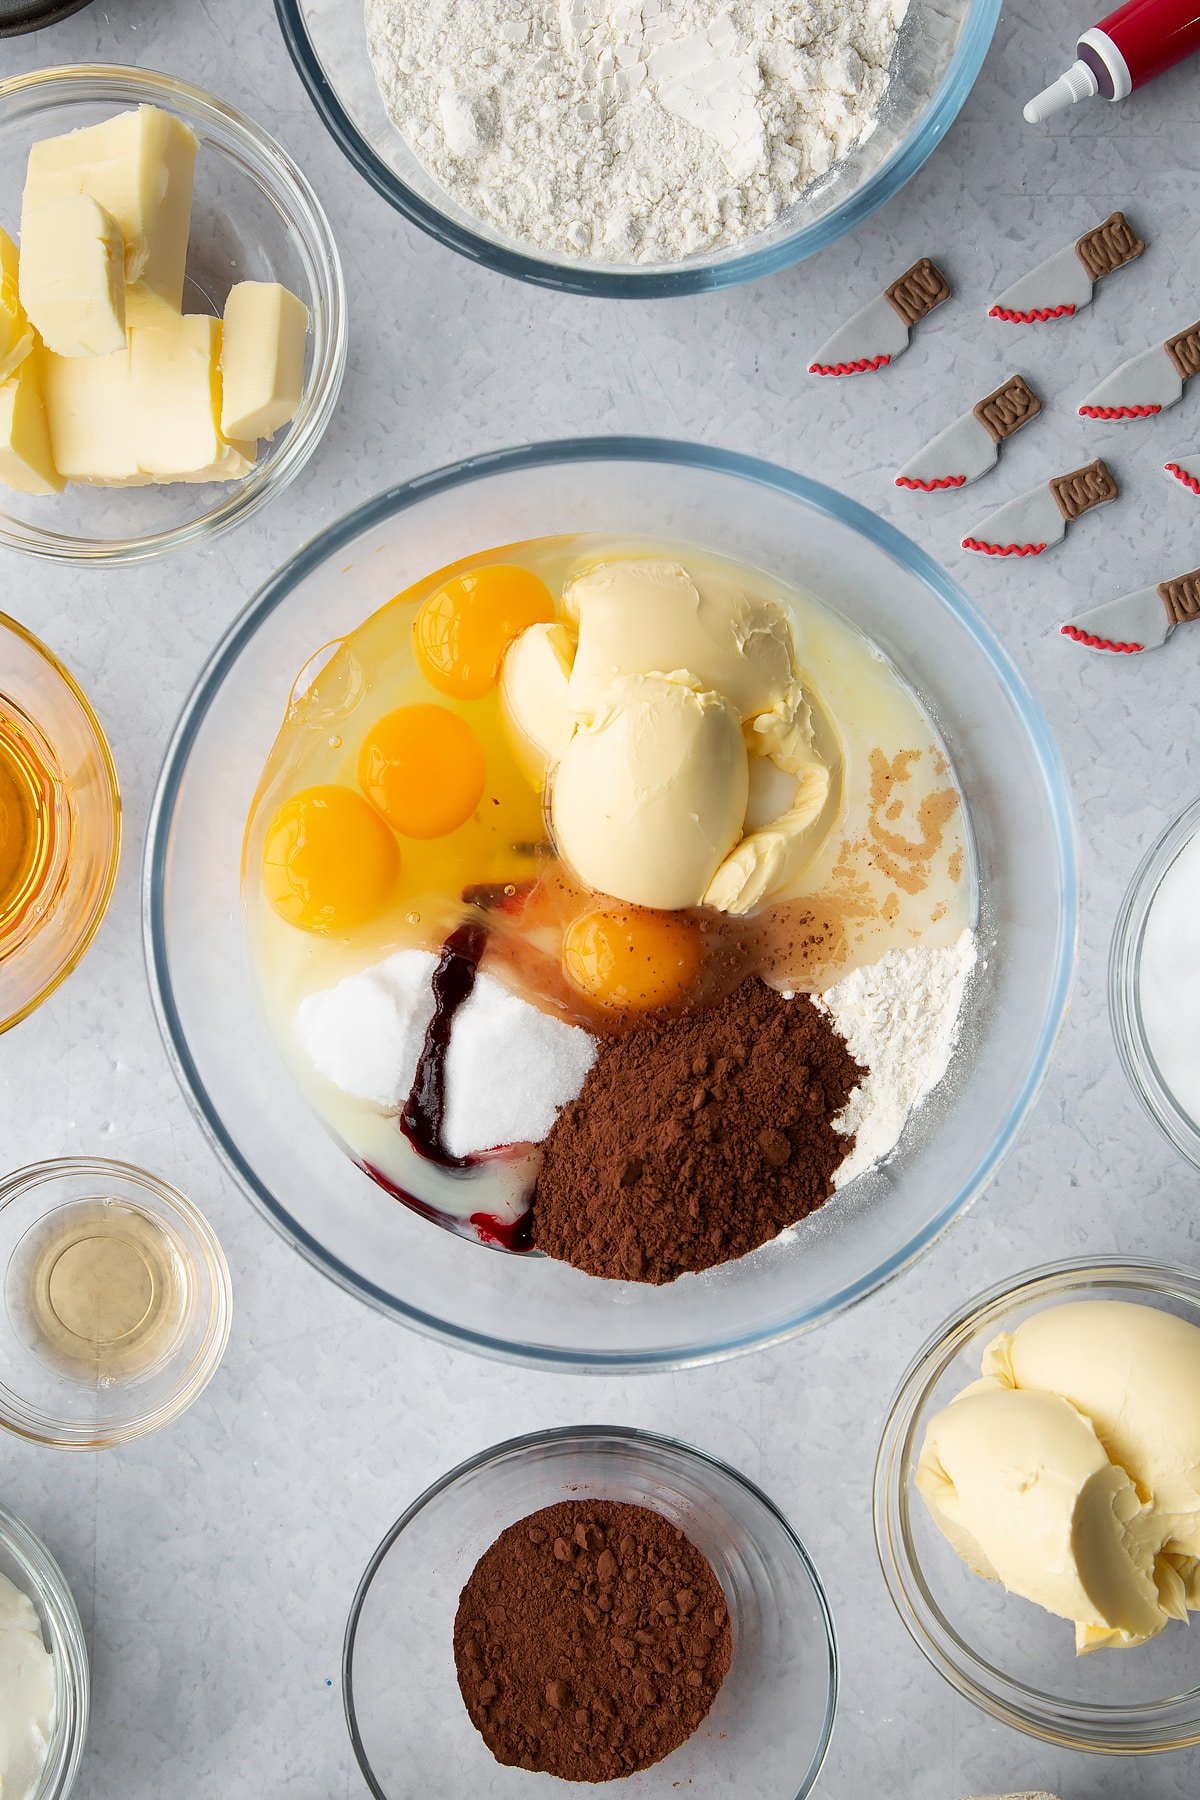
(400, 498)
(73, 81)
(109, 771)
(1089, 1726)
(1124, 1005)
(634, 1438)
(207, 1360)
(942, 108)
(72, 1669)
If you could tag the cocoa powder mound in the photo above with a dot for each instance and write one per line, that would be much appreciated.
(696, 1140)
(590, 1640)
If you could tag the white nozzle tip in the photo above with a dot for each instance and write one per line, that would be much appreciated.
(1079, 83)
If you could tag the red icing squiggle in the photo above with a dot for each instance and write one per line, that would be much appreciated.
(1099, 643)
(1118, 412)
(929, 487)
(863, 366)
(1189, 481)
(972, 543)
(1036, 316)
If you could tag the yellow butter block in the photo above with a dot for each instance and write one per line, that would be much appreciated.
(262, 359)
(72, 280)
(176, 396)
(90, 414)
(26, 462)
(16, 335)
(235, 461)
(139, 167)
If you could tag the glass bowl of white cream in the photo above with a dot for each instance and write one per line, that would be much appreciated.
(44, 1682)
(1039, 1519)
(1154, 983)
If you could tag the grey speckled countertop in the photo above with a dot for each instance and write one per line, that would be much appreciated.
(214, 1564)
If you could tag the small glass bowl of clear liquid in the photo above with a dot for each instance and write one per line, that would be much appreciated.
(117, 1303)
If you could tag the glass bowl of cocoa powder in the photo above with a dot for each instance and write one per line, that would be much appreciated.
(766, 1731)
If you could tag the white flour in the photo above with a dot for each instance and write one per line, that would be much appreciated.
(631, 130)
(899, 1017)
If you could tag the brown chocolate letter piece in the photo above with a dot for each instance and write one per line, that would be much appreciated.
(1110, 246)
(915, 293)
(1184, 351)
(1009, 407)
(1181, 597)
(1084, 488)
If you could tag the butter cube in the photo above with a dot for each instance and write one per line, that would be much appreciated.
(262, 359)
(26, 462)
(139, 167)
(72, 281)
(90, 414)
(175, 386)
(235, 461)
(16, 336)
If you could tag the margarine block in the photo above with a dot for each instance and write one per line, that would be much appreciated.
(16, 337)
(89, 412)
(138, 166)
(72, 276)
(234, 461)
(175, 396)
(26, 462)
(262, 359)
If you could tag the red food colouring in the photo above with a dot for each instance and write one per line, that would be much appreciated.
(513, 1235)
(424, 1116)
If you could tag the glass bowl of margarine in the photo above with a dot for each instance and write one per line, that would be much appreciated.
(936, 58)
(254, 218)
(1006, 1654)
(529, 1307)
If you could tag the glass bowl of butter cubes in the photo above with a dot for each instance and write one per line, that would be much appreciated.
(172, 316)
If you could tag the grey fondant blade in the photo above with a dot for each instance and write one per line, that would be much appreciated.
(962, 452)
(1055, 289)
(1021, 527)
(1146, 384)
(864, 343)
(1126, 625)
(1183, 466)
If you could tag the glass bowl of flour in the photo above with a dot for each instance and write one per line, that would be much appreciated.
(529, 1308)
(638, 150)
(1154, 983)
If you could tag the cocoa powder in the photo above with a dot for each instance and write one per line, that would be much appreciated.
(696, 1140)
(590, 1640)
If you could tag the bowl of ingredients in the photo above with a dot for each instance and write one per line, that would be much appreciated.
(592, 1604)
(630, 953)
(117, 1303)
(1037, 1505)
(43, 1670)
(60, 823)
(637, 155)
(1154, 984)
(172, 315)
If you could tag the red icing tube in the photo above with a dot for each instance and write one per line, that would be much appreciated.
(1124, 51)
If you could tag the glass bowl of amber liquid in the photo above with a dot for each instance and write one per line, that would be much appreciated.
(60, 823)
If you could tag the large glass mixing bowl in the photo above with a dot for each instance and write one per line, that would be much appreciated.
(530, 1308)
(938, 56)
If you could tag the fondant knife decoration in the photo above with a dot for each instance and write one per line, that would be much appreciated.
(969, 448)
(1141, 621)
(1183, 466)
(1065, 282)
(1032, 522)
(1148, 382)
(879, 333)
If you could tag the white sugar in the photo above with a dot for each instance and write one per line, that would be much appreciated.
(509, 1066)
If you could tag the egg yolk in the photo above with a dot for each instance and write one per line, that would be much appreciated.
(463, 628)
(329, 861)
(631, 958)
(424, 769)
